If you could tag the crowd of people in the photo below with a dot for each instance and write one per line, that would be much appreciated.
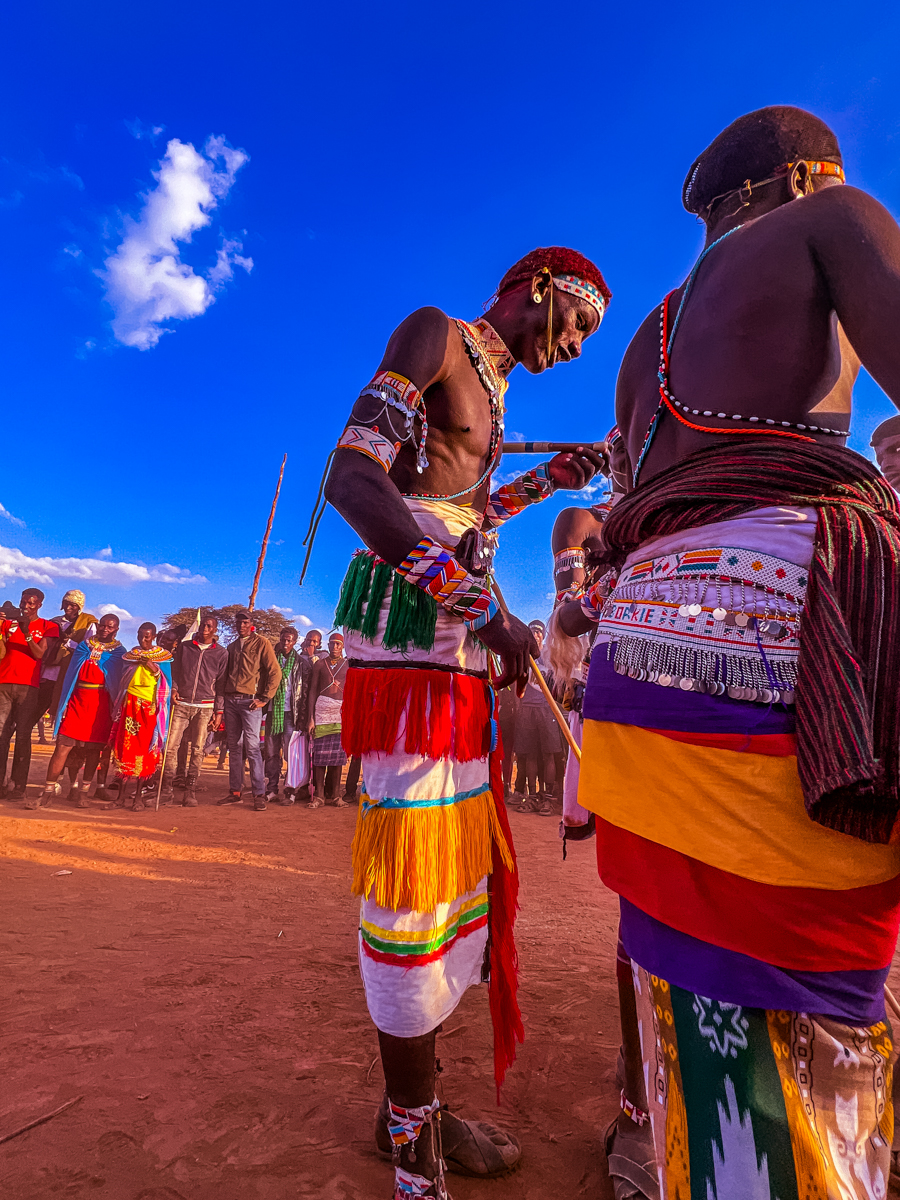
(133, 726)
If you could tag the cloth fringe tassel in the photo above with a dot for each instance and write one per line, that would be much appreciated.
(420, 858)
(704, 666)
(504, 960)
(445, 715)
(412, 616)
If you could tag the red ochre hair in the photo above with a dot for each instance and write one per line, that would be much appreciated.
(560, 261)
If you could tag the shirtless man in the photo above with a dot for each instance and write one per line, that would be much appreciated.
(759, 891)
(412, 475)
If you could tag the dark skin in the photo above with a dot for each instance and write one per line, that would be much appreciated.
(206, 635)
(427, 349)
(322, 684)
(107, 628)
(779, 319)
(29, 607)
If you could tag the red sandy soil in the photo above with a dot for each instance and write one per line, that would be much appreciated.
(195, 980)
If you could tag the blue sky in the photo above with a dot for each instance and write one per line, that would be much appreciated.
(391, 156)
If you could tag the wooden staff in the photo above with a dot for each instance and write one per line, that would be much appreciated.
(892, 1000)
(265, 541)
(552, 447)
(542, 684)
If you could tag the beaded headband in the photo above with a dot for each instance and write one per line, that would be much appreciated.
(815, 168)
(583, 288)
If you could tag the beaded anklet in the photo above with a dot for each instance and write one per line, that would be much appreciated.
(405, 1127)
(631, 1110)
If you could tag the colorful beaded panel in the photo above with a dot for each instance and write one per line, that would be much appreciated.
(572, 558)
(718, 619)
(370, 443)
(582, 288)
(435, 570)
(397, 392)
(530, 488)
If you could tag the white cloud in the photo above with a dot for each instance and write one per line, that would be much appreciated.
(4, 512)
(278, 608)
(301, 620)
(16, 565)
(146, 281)
(297, 618)
(122, 613)
(139, 130)
(107, 553)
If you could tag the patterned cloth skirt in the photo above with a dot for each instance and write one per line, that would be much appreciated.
(327, 751)
(132, 739)
(750, 1102)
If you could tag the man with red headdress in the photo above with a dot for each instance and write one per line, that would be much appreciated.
(432, 857)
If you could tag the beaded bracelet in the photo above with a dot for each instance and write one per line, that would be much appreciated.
(593, 600)
(430, 567)
(530, 488)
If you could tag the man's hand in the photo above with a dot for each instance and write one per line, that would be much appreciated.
(573, 470)
(214, 721)
(513, 642)
(24, 623)
(255, 704)
(176, 699)
(571, 619)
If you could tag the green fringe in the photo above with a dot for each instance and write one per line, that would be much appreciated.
(354, 591)
(380, 580)
(412, 617)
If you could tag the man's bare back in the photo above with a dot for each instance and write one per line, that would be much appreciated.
(779, 317)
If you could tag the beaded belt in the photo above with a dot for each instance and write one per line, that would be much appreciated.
(95, 686)
(718, 620)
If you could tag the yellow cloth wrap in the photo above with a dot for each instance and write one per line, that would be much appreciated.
(143, 685)
(420, 858)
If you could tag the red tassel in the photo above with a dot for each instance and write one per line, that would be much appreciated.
(380, 704)
(504, 889)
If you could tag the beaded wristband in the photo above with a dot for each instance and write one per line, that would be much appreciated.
(530, 488)
(593, 600)
(430, 567)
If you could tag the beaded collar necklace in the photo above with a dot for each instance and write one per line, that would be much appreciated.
(489, 355)
(668, 403)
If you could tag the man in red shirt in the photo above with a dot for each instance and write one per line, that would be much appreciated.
(23, 643)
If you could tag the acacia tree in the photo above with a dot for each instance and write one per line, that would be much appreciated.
(268, 621)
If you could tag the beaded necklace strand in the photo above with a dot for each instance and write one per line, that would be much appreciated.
(667, 402)
(495, 385)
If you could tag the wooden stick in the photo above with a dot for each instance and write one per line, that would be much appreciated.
(265, 541)
(551, 447)
(542, 684)
(7, 1137)
(892, 1000)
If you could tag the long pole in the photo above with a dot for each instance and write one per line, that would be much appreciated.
(265, 541)
(542, 684)
(551, 447)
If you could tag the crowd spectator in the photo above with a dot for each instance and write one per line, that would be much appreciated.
(24, 640)
(84, 720)
(140, 713)
(326, 693)
(251, 681)
(312, 646)
(288, 710)
(198, 686)
(74, 625)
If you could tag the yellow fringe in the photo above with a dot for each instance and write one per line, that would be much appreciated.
(420, 858)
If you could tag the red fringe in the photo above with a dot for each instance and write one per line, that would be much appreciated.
(504, 889)
(378, 702)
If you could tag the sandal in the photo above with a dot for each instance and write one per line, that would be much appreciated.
(316, 802)
(474, 1148)
(529, 804)
(632, 1166)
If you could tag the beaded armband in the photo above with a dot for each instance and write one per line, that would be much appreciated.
(570, 559)
(435, 570)
(400, 394)
(370, 443)
(530, 488)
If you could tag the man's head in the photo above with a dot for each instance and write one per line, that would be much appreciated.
(107, 627)
(243, 623)
(32, 599)
(336, 645)
(783, 151)
(312, 642)
(167, 639)
(287, 639)
(145, 635)
(547, 304)
(72, 603)
(538, 629)
(209, 628)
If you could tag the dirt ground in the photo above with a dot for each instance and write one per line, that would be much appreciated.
(194, 979)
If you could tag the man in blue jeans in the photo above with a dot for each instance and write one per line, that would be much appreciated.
(252, 678)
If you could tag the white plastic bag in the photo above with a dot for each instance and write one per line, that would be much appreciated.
(298, 760)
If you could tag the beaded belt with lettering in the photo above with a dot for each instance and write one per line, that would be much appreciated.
(715, 620)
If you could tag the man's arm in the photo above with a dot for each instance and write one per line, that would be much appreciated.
(572, 528)
(39, 646)
(219, 688)
(856, 244)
